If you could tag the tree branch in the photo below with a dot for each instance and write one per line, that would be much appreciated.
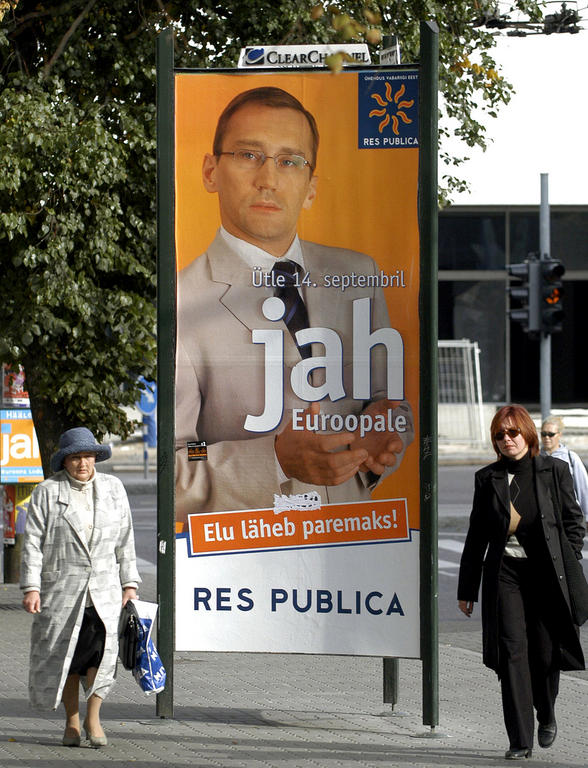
(171, 21)
(7, 5)
(34, 15)
(65, 39)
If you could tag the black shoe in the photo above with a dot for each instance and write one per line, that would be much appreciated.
(517, 754)
(546, 734)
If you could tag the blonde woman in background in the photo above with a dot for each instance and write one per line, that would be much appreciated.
(551, 433)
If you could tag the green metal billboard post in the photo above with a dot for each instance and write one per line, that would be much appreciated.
(428, 207)
(428, 385)
(166, 297)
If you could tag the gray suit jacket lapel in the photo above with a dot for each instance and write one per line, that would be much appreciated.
(318, 296)
(242, 299)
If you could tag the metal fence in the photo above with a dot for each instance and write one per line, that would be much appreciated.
(461, 410)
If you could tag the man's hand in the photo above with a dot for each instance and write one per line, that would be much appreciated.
(318, 459)
(32, 602)
(382, 447)
(466, 606)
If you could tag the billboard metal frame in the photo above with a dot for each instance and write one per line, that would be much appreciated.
(166, 309)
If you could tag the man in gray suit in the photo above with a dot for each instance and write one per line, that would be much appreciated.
(244, 378)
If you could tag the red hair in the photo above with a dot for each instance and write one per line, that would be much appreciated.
(521, 419)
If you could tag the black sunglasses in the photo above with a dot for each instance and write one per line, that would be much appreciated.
(549, 434)
(512, 433)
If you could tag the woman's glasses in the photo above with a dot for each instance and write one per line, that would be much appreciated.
(549, 434)
(512, 433)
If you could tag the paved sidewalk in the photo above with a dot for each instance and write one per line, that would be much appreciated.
(285, 711)
(279, 711)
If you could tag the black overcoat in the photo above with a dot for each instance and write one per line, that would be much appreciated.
(484, 546)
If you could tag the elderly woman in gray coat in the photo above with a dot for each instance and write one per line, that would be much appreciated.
(78, 567)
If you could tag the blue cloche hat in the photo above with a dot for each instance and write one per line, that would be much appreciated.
(78, 440)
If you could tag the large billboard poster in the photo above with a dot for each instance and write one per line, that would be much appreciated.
(297, 362)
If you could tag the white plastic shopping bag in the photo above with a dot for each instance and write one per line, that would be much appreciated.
(148, 671)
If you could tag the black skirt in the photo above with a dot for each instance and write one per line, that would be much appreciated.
(90, 646)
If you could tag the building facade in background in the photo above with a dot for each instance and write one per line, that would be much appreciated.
(476, 245)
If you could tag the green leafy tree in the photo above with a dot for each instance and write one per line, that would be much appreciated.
(77, 187)
(77, 214)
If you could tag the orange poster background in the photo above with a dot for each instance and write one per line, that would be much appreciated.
(366, 201)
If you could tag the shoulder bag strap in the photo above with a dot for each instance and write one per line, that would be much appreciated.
(572, 463)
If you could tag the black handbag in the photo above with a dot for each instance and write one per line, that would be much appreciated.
(129, 630)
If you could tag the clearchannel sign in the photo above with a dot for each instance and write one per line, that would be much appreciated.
(279, 56)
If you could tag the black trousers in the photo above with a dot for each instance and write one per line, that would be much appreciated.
(528, 649)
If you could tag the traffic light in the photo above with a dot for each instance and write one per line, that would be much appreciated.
(551, 295)
(526, 294)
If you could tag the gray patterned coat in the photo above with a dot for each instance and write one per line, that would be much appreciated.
(57, 557)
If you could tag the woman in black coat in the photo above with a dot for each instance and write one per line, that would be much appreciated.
(524, 506)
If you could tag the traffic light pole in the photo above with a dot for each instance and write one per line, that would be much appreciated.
(535, 292)
(545, 343)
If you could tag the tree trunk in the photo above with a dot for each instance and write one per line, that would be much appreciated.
(47, 419)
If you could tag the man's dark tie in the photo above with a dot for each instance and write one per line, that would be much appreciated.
(295, 316)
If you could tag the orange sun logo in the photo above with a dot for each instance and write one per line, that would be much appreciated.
(392, 108)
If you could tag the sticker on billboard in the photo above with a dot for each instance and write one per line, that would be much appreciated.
(14, 393)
